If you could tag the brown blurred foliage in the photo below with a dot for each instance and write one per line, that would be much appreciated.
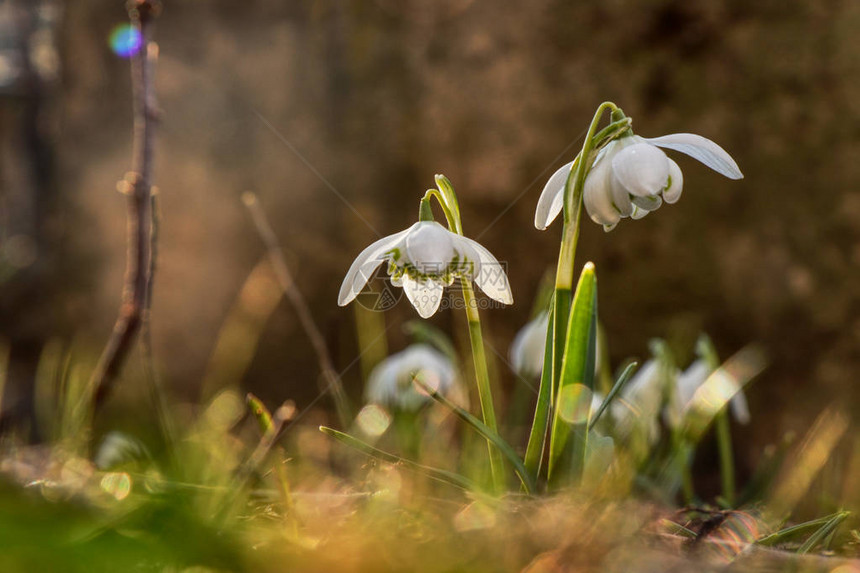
(371, 98)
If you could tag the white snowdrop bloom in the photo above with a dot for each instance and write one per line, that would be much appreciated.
(691, 380)
(424, 259)
(631, 177)
(527, 351)
(638, 405)
(390, 383)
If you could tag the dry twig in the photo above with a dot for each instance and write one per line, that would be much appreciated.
(300, 305)
(138, 186)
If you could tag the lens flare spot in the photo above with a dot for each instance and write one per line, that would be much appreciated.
(117, 484)
(373, 420)
(574, 403)
(125, 40)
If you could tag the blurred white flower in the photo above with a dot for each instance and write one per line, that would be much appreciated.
(424, 259)
(596, 402)
(527, 351)
(390, 383)
(638, 405)
(691, 380)
(631, 177)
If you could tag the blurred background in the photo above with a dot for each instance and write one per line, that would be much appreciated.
(331, 109)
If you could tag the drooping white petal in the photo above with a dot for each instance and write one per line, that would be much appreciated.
(425, 295)
(490, 275)
(430, 247)
(676, 184)
(703, 149)
(552, 197)
(364, 265)
(642, 169)
(469, 265)
(620, 196)
(527, 350)
(597, 192)
(740, 408)
(638, 213)
(648, 203)
(690, 379)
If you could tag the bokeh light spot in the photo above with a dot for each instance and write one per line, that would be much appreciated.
(117, 484)
(574, 403)
(373, 420)
(125, 40)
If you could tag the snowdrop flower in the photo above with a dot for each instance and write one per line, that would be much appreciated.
(527, 350)
(424, 259)
(631, 177)
(638, 405)
(688, 382)
(390, 383)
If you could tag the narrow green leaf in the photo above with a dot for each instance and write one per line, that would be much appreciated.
(261, 413)
(481, 428)
(790, 533)
(626, 375)
(451, 202)
(578, 362)
(445, 476)
(677, 529)
(823, 532)
(561, 302)
(537, 437)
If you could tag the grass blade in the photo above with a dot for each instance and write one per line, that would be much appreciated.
(823, 532)
(537, 437)
(445, 476)
(626, 375)
(261, 413)
(481, 428)
(787, 534)
(811, 456)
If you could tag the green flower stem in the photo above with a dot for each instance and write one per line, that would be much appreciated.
(721, 425)
(573, 196)
(570, 233)
(557, 329)
(482, 376)
(447, 199)
(684, 454)
(727, 464)
(453, 223)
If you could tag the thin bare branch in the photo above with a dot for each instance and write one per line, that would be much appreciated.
(300, 305)
(138, 186)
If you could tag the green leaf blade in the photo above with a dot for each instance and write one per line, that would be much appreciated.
(578, 366)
